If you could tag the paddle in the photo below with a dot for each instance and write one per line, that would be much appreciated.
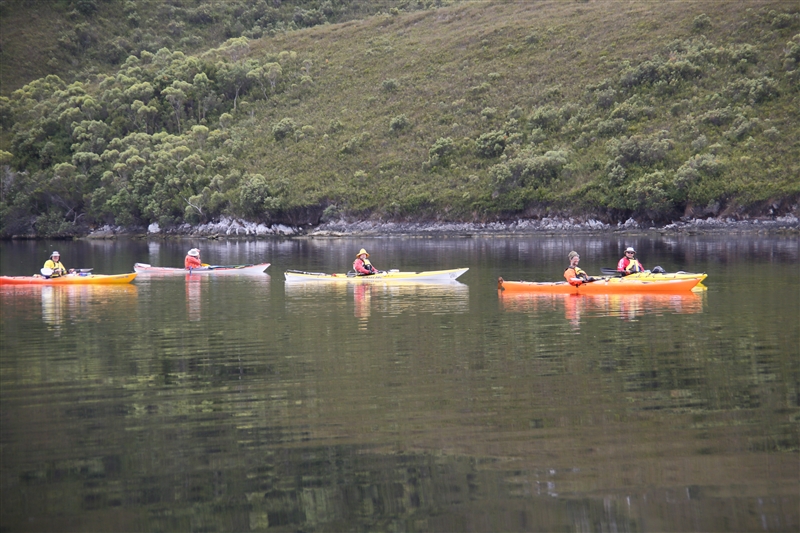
(613, 272)
(47, 272)
(308, 273)
(227, 266)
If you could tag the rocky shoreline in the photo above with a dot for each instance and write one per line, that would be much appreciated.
(227, 228)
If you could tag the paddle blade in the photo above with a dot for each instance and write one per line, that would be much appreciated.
(46, 272)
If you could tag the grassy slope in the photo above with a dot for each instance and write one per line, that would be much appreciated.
(438, 56)
(451, 64)
(44, 37)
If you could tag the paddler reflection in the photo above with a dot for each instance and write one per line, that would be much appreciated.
(362, 299)
(194, 297)
(623, 306)
(53, 307)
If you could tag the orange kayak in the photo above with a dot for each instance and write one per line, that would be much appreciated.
(603, 286)
(69, 279)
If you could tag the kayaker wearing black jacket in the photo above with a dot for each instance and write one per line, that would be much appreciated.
(362, 266)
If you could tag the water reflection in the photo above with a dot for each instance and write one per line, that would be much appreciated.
(62, 304)
(194, 296)
(388, 299)
(234, 405)
(624, 306)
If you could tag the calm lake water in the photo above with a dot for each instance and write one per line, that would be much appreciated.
(246, 404)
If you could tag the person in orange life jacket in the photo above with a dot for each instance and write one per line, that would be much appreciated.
(192, 259)
(55, 265)
(362, 266)
(629, 264)
(573, 274)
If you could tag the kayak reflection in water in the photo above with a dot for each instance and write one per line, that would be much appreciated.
(362, 266)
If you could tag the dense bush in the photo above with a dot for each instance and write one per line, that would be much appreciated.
(491, 144)
(285, 128)
(399, 122)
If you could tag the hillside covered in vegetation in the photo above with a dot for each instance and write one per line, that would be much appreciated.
(407, 110)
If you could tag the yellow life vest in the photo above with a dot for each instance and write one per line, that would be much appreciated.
(634, 266)
(55, 266)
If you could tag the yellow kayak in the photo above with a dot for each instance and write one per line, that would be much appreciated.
(68, 279)
(390, 275)
(653, 276)
(624, 285)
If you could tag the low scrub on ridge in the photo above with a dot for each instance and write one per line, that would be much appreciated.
(472, 111)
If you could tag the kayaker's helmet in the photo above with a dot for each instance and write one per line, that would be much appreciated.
(194, 252)
(55, 254)
(573, 254)
(630, 249)
(361, 252)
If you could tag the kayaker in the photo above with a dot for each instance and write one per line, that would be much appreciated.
(192, 259)
(629, 264)
(362, 266)
(573, 274)
(54, 264)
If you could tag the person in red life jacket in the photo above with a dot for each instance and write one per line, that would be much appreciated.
(573, 274)
(192, 259)
(54, 264)
(629, 264)
(362, 266)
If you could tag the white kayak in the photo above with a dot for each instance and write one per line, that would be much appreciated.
(382, 276)
(144, 268)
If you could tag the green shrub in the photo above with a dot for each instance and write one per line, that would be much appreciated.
(398, 123)
(546, 117)
(605, 98)
(701, 23)
(648, 195)
(489, 113)
(256, 197)
(717, 117)
(639, 149)
(753, 91)
(390, 85)
(439, 154)
(491, 144)
(607, 128)
(355, 142)
(742, 127)
(284, 128)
